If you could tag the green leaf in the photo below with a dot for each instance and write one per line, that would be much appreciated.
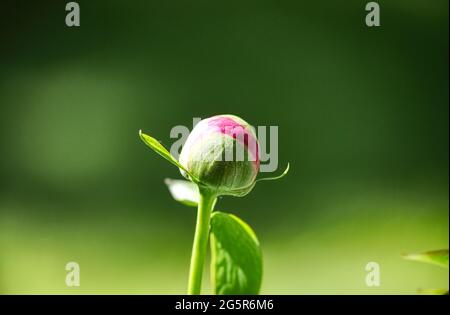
(183, 191)
(436, 257)
(245, 190)
(276, 177)
(236, 259)
(161, 150)
(433, 291)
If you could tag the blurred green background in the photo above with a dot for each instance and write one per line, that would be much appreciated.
(362, 116)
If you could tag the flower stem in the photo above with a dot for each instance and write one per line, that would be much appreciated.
(205, 207)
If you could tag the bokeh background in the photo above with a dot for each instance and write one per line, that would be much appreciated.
(362, 116)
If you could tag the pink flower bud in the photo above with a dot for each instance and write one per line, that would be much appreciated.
(222, 152)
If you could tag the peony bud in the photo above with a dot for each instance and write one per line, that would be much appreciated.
(222, 152)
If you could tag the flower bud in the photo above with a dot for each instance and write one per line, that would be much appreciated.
(222, 152)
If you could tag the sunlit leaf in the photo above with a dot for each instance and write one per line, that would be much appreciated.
(183, 191)
(436, 257)
(236, 259)
(433, 291)
(275, 177)
(161, 150)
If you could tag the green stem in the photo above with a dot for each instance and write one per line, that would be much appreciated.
(205, 207)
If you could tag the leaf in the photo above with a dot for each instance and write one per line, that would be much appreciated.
(433, 291)
(183, 191)
(240, 192)
(437, 257)
(161, 150)
(236, 259)
(276, 177)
